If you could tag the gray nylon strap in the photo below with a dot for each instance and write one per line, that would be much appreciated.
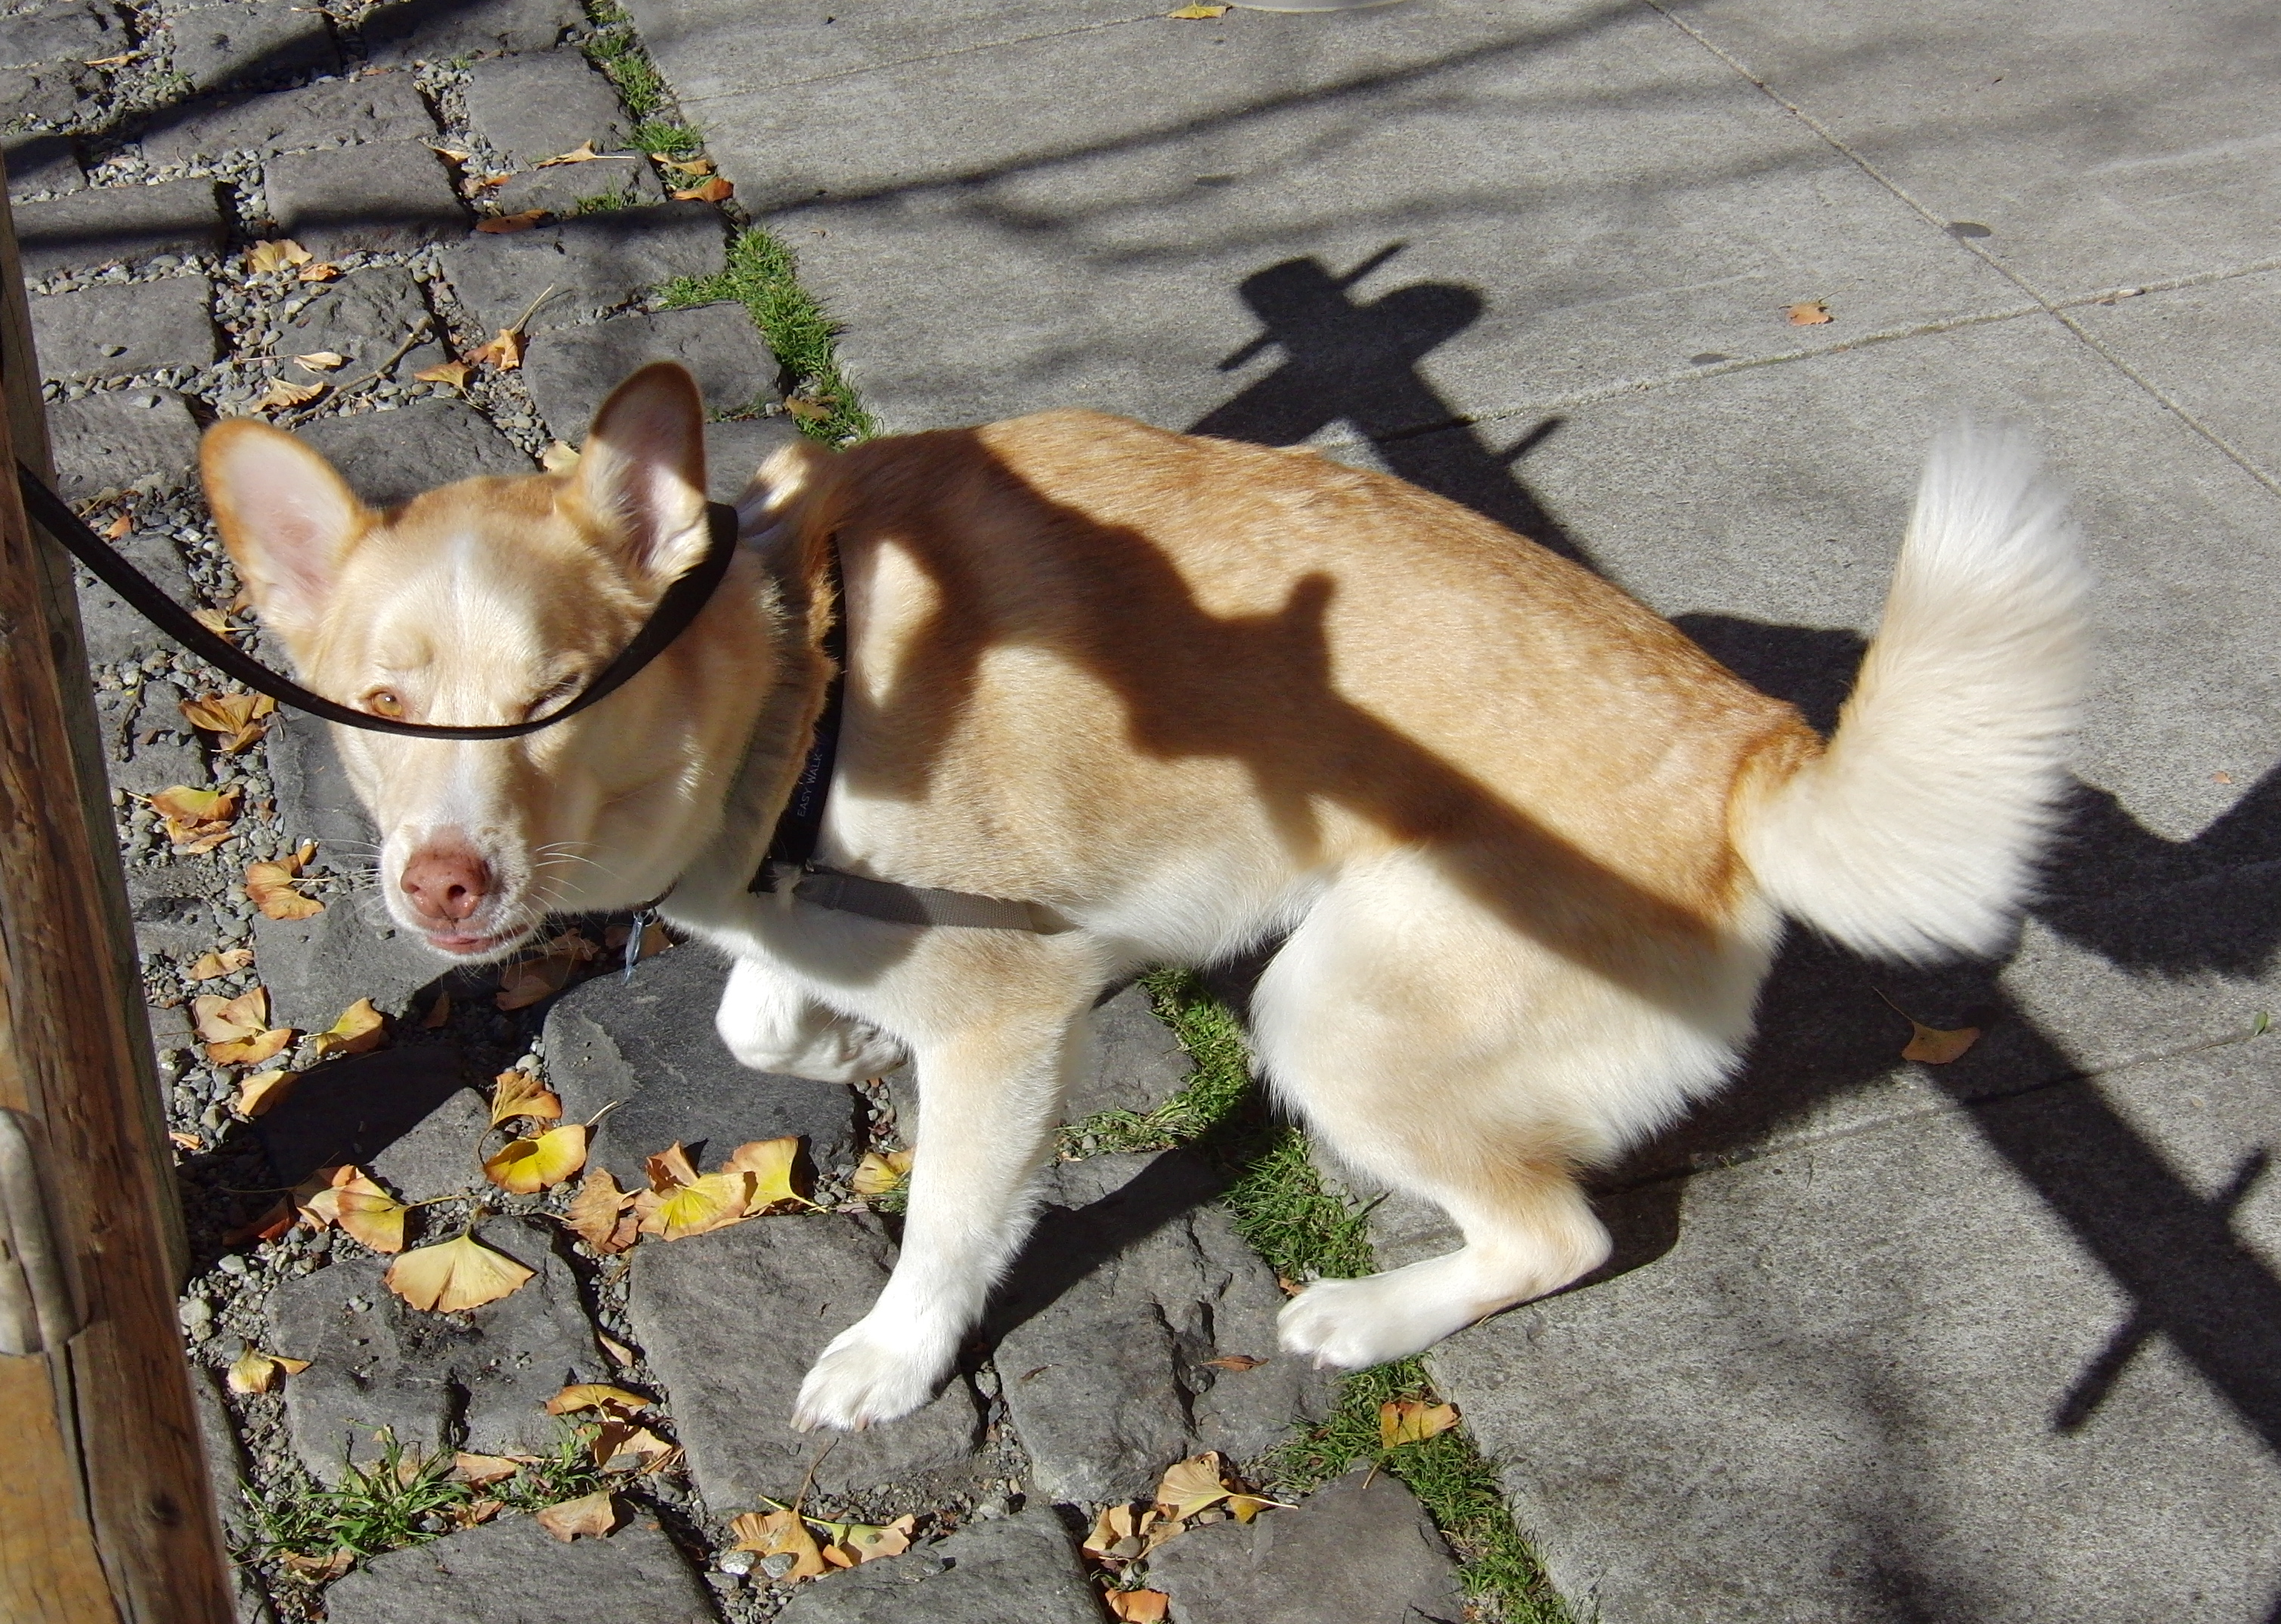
(882, 900)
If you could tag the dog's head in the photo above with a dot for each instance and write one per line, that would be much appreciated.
(492, 601)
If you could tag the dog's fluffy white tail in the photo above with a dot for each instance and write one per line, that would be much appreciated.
(1916, 834)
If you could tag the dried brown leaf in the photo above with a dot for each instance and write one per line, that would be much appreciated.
(719, 189)
(1412, 1420)
(499, 224)
(592, 1516)
(599, 1215)
(1812, 313)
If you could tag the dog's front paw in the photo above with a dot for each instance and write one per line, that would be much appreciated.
(1350, 1324)
(868, 1374)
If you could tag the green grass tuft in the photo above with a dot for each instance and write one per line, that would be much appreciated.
(664, 135)
(760, 277)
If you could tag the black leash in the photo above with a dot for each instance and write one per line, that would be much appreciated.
(681, 604)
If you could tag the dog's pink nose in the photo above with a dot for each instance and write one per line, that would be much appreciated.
(445, 883)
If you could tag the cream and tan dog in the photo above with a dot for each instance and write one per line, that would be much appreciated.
(1530, 850)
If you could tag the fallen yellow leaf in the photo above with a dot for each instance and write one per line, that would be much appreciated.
(269, 887)
(257, 1093)
(598, 1214)
(1935, 1047)
(1813, 312)
(1143, 1606)
(1197, 13)
(702, 1205)
(454, 1275)
(687, 166)
(195, 820)
(322, 360)
(276, 256)
(256, 1371)
(877, 1174)
(807, 411)
(592, 1515)
(1245, 1507)
(583, 153)
(518, 1094)
(1412, 1420)
(619, 1446)
(326, 272)
(483, 1471)
(361, 1030)
(235, 719)
(596, 1395)
(501, 223)
(773, 1165)
(782, 1531)
(453, 373)
(236, 1030)
(526, 1166)
(281, 395)
(370, 1214)
(209, 965)
(717, 189)
(1189, 1486)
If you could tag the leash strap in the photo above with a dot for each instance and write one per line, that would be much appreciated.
(681, 604)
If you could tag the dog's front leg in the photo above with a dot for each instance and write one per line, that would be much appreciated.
(988, 1103)
(769, 1022)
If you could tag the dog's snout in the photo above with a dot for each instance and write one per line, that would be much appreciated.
(446, 882)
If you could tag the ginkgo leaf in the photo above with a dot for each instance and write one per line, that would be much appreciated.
(236, 1030)
(719, 189)
(1237, 1362)
(504, 351)
(669, 1169)
(1197, 13)
(783, 1531)
(121, 60)
(325, 272)
(807, 411)
(454, 1275)
(319, 1570)
(714, 1201)
(1191, 1485)
(687, 166)
(592, 1515)
(361, 1030)
(453, 373)
(256, 1371)
(282, 394)
(208, 966)
(850, 1544)
(526, 1166)
(774, 1164)
(1412, 1420)
(483, 1471)
(235, 719)
(621, 1446)
(499, 223)
(1143, 1606)
(598, 1214)
(1935, 1047)
(195, 820)
(125, 523)
(1812, 313)
(259, 1093)
(371, 1214)
(276, 256)
(876, 1175)
(322, 360)
(269, 887)
(596, 1395)
(476, 186)
(1243, 1508)
(518, 1094)
(1122, 1532)
(559, 457)
(583, 153)
(439, 1012)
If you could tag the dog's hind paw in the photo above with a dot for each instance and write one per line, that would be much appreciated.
(867, 1374)
(1350, 1324)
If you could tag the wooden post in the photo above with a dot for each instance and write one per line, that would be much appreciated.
(105, 1512)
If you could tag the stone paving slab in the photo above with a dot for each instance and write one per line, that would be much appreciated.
(2189, 344)
(251, 41)
(478, 1380)
(335, 112)
(571, 371)
(355, 1108)
(76, 31)
(1360, 1549)
(113, 440)
(603, 184)
(732, 1321)
(513, 1571)
(438, 30)
(390, 457)
(42, 164)
(1014, 1570)
(119, 224)
(645, 1047)
(1898, 1341)
(118, 331)
(365, 318)
(388, 195)
(44, 94)
(591, 265)
(112, 629)
(537, 106)
(1131, 1282)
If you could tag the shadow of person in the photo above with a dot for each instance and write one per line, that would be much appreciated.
(2144, 903)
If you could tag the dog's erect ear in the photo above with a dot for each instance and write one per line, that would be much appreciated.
(287, 518)
(642, 470)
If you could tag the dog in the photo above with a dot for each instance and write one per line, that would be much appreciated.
(1527, 850)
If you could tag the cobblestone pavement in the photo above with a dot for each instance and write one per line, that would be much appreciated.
(262, 207)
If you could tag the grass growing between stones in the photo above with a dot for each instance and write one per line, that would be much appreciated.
(760, 277)
(1307, 1231)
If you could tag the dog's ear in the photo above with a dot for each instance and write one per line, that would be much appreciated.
(642, 471)
(287, 518)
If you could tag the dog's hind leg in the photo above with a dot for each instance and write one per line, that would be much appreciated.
(770, 1023)
(1436, 1051)
(990, 1094)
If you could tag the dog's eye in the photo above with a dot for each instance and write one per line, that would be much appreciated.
(555, 694)
(384, 702)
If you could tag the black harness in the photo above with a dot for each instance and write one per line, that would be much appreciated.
(791, 846)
